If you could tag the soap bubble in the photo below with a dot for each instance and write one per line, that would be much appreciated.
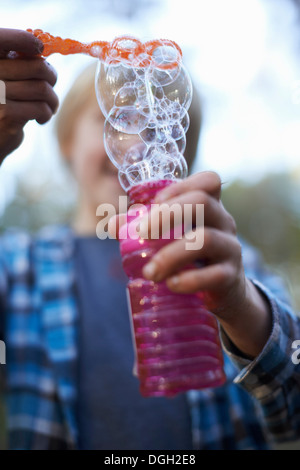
(181, 144)
(124, 182)
(160, 152)
(126, 96)
(180, 91)
(127, 119)
(164, 55)
(176, 131)
(152, 135)
(119, 144)
(185, 121)
(109, 80)
(134, 154)
(135, 174)
(124, 50)
(181, 168)
(144, 92)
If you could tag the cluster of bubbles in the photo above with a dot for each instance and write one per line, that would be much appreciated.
(145, 99)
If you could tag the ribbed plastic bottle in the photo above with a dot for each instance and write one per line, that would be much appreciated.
(176, 339)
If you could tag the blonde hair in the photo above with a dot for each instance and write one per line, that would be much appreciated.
(80, 95)
(82, 92)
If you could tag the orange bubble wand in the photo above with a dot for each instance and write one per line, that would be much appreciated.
(122, 49)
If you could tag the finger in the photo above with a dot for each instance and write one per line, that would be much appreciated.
(32, 90)
(27, 69)
(207, 181)
(193, 209)
(203, 279)
(20, 112)
(209, 244)
(15, 140)
(19, 41)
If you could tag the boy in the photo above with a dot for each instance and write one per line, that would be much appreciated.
(69, 352)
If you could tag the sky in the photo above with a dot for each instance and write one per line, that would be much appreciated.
(243, 56)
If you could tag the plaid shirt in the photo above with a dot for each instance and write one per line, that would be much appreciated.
(273, 378)
(39, 318)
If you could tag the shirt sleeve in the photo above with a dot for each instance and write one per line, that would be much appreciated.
(273, 378)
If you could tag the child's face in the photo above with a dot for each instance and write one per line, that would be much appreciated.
(96, 175)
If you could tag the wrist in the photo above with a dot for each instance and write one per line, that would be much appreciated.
(250, 323)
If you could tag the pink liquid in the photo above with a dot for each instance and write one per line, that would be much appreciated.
(176, 339)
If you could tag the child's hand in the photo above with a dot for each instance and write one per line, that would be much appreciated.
(222, 279)
(28, 82)
(243, 312)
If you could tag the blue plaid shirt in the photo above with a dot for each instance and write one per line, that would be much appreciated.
(39, 323)
(273, 378)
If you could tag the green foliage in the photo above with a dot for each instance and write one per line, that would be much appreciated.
(268, 216)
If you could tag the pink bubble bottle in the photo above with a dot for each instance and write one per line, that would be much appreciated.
(176, 339)
(144, 92)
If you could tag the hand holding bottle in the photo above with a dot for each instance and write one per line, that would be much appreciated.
(238, 305)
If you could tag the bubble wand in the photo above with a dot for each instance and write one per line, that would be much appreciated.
(144, 92)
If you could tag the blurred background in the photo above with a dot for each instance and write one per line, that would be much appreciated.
(244, 57)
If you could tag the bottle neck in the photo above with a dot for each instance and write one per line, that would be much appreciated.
(145, 193)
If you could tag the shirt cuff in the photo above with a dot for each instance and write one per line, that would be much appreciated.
(264, 375)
